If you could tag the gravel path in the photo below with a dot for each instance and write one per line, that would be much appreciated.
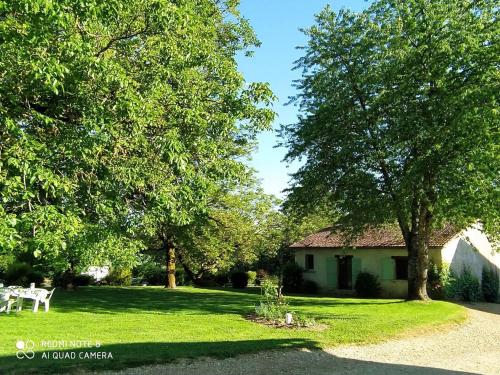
(471, 348)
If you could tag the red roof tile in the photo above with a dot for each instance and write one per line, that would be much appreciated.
(385, 236)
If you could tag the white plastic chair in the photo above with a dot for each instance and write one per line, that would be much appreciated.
(6, 302)
(45, 299)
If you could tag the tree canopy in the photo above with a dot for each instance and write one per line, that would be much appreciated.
(116, 118)
(399, 119)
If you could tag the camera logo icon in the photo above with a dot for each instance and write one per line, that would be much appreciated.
(25, 349)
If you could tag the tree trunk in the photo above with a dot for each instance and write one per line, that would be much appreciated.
(170, 255)
(418, 262)
(418, 257)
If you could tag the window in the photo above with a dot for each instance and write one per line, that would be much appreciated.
(401, 268)
(309, 262)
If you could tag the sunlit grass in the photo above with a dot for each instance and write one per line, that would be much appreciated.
(140, 325)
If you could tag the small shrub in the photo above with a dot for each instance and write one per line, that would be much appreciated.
(222, 279)
(119, 276)
(437, 277)
(302, 320)
(273, 307)
(367, 285)
(22, 274)
(469, 287)
(239, 280)
(83, 280)
(310, 287)
(489, 285)
(464, 287)
(292, 277)
(252, 276)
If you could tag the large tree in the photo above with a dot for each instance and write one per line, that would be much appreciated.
(232, 233)
(118, 117)
(399, 119)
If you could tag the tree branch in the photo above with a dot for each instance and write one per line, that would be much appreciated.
(124, 37)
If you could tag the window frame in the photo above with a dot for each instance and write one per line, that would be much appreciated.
(308, 261)
(399, 274)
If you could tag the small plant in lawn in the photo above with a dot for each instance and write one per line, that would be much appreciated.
(272, 307)
(302, 320)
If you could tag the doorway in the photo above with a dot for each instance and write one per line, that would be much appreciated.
(345, 272)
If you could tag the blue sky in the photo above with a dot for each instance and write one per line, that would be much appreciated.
(277, 23)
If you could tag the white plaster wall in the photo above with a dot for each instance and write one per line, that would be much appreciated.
(472, 250)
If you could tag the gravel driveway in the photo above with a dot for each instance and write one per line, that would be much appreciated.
(471, 348)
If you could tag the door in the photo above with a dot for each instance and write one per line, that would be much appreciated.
(345, 272)
(331, 272)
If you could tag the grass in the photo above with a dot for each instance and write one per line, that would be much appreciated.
(142, 325)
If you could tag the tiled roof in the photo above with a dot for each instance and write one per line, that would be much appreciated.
(385, 236)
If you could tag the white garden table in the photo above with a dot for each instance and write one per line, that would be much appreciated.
(35, 294)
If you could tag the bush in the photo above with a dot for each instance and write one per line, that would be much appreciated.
(310, 287)
(83, 280)
(273, 307)
(489, 285)
(222, 279)
(367, 285)
(23, 275)
(239, 279)
(437, 277)
(119, 276)
(292, 277)
(469, 287)
(252, 277)
(465, 287)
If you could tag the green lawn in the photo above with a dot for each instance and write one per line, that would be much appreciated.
(141, 325)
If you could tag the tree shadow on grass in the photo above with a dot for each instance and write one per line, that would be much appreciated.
(155, 300)
(310, 361)
(115, 300)
(135, 354)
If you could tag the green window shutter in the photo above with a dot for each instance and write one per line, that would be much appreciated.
(388, 269)
(331, 272)
(356, 269)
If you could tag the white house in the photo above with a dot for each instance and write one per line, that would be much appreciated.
(334, 266)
